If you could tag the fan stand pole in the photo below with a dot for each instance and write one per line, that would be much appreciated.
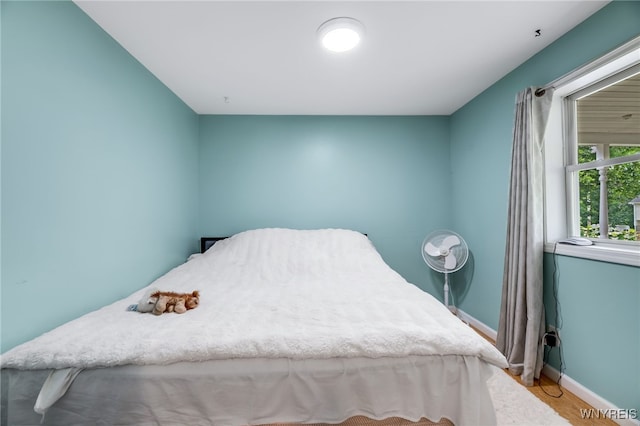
(453, 309)
(446, 290)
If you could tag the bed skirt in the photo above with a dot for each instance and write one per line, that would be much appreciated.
(365, 421)
(349, 391)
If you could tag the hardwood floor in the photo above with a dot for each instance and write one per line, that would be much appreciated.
(568, 405)
(564, 402)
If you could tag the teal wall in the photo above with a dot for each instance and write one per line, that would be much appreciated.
(600, 325)
(385, 176)
(599, 301)
(99, 170)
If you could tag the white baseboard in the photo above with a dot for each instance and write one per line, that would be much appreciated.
(485, 329)
(588, 396)
(582, 392)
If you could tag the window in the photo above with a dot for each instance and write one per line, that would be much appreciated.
(592, 158)
(603, 170)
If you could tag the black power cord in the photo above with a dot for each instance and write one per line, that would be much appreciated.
(553, 337)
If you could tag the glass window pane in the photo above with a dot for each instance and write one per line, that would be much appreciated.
(608, 121)
(622, 199)
(586, 153)
(589, 203)
(623, 151)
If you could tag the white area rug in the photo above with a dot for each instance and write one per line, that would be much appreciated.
(515, 405)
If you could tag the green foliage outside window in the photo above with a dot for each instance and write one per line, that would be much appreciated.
(623, 184)
(594, 232)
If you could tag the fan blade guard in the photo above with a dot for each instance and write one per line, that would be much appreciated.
(444, 251)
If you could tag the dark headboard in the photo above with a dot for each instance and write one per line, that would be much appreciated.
(207, 242)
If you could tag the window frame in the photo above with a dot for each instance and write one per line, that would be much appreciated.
(560, 156)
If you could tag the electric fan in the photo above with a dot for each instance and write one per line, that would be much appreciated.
(446, 252)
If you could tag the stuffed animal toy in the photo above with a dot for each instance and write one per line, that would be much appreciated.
(168, 301)
(146, 303)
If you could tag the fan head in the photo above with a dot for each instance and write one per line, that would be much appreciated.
(444, 251)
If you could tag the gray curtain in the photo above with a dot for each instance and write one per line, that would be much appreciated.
(522, 323)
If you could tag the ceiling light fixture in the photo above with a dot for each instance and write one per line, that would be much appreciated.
(340, 34)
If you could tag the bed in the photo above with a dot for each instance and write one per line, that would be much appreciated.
(293, 326)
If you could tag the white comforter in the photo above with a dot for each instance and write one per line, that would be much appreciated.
(267, 293)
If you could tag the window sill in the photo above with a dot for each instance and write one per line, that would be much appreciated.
(624, 255)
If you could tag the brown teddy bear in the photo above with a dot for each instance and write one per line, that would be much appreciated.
(169, 301)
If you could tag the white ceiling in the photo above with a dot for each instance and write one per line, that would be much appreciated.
(417, 57)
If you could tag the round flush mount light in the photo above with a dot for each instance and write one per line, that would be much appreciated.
(340, 34)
